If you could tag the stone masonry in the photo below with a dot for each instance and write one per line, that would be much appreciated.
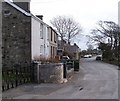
(16, 37)
(49, 73)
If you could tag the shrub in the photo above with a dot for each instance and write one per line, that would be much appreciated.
(44, 60)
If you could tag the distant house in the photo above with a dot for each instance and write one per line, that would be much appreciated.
(72, 50)
(61, 44)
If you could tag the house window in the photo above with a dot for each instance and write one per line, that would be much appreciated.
(41, 49)
(51, 34)
(55, 51)
(47, 33)
(55, 36)
(51, 51)
(7, 13)
(41, 31)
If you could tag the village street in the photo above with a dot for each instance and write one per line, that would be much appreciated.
(96, 80)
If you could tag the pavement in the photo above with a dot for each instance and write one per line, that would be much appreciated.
(95, 80)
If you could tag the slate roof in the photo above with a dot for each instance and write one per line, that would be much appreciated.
(72, 48)
(23, 11)
(18, 8)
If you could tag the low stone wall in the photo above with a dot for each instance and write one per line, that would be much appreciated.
(49, 73)
(70, 73)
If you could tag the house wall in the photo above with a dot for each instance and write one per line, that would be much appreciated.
(37, 42)
(16, 37)
(53, 40)
(39, 37)
(46, 40)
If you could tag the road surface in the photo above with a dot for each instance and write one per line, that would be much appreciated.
(96, 80)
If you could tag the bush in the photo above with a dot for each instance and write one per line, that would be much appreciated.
(44, 60)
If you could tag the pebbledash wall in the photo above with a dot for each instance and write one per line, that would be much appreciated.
(40, 42)
(16, 37)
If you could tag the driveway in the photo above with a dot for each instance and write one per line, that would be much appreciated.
(96, 80)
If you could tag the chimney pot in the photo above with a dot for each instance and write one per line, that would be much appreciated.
(40, 16)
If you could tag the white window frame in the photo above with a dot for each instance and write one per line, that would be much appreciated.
(41, 30)
(41, 49)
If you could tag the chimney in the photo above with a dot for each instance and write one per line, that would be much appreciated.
(75, 44)
(40, 16)
(24, 4)
(69, 43)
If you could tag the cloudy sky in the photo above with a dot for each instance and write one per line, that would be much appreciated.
(86, 12)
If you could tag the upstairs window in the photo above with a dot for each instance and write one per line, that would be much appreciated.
(7, 13)
(48, 33)
(41, 31)
(55, 37)
(41, 49)
(51, 34)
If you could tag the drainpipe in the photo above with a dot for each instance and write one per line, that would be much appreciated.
(119, 53)
(119, 48)
(38, 73)
(119, 35)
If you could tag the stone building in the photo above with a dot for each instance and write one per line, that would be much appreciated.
(16, 34)
(73, 51)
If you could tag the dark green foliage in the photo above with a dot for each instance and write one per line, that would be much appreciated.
(76, 65)
(106, 50)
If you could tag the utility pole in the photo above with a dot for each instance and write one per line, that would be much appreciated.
(119, 52)
(118, 48)
(119, 36)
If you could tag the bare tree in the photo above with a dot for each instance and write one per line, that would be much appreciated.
(107, 35)
(66, 27)
(106, 32)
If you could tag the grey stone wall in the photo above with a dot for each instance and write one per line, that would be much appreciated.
(0, 49)
(70, 73)
(16, 37)
(49, 73)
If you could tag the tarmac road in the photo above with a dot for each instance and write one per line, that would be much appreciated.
(99, 81)
(96, 80)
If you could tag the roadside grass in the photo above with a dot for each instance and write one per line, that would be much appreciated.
(114, 62)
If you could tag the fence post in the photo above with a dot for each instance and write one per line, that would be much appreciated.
(38, 72)
(24, 74)
(16, 81)
(20, 76)
(8, 80)
(2, 81)
(64, 71)
(11, 80)
(32, 72)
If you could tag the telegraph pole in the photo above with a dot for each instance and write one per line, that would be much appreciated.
(119, 51)
(118, 35)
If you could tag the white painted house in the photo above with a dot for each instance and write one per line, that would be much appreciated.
(39, 36)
